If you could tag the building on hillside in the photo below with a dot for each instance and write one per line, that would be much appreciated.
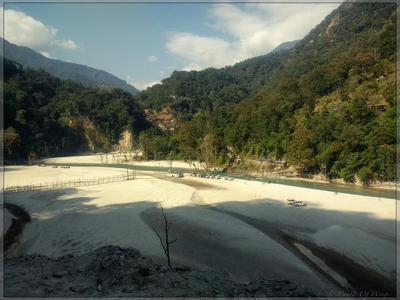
(279, 164)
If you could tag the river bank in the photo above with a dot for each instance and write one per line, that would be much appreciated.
(219, 224)
(383, 190)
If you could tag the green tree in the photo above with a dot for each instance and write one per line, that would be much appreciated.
(11, 139)
(383, 164)
(208, 151)
(301, 149)
(365, 175)
(189, 141)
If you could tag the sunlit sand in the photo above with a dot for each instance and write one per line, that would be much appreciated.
(217, 222)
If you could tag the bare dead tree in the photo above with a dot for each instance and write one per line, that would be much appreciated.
(167, 242)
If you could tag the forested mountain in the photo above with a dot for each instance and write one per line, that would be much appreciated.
(285, 46)
(186, 93)
(328, 105)
(47, 116)
(65, 70)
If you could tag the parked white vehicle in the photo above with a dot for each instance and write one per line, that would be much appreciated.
(291, 201)
(177, 174)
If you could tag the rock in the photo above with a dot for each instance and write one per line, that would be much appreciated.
(225, 273)
(144, 271)
(164, 269)
(134, 273)
(83, 289)
(182, 268)
(251, 288)
(137, 277)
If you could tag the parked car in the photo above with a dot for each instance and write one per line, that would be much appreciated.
(291, 201)
(299, 203)
(177, 174)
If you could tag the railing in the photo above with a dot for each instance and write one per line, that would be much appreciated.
(67, 184)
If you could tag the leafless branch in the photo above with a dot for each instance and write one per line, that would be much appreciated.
(167, 242)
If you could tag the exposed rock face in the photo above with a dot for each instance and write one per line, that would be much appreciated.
(334, 22)
(165, 119)
(112, 271)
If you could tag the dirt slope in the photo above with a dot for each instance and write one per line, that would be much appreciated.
(112, 271)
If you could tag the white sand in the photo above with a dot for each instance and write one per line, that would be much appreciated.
(80, 219)
(97, 159)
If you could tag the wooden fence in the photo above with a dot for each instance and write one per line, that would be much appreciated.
(67, 184)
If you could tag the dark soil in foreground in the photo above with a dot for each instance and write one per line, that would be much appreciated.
(113, 271)
(13, 234)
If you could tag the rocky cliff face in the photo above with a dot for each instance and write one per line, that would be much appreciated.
(165, 119)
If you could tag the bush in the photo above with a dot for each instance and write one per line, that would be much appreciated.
(365, 175)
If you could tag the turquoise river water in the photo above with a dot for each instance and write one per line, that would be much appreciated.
(339, 188)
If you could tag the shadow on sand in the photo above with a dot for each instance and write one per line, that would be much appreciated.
(203, 238)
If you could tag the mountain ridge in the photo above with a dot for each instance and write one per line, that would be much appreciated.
(326, 106)
(286, 45)
(65, 70)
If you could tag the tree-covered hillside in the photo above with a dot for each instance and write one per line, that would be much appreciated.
(65, 70)
(328, 105)
(188, 92)
(45, 115)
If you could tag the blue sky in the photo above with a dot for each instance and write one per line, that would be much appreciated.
(144, 43)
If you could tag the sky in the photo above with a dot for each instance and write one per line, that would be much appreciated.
(143, 43)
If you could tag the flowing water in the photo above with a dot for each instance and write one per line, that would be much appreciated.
(338, 188)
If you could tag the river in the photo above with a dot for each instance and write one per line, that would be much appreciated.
(332, 187)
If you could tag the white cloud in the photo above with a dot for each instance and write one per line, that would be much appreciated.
(141, 85)
(46, 54)
(23, 30)
(292, 21)
(203, 52)
(67, 45)
(254, 30)
(152, 58)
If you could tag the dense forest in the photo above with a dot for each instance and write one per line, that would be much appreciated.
(326, 106)
(46, 116)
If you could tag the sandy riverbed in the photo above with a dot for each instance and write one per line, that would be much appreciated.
(244, 227)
